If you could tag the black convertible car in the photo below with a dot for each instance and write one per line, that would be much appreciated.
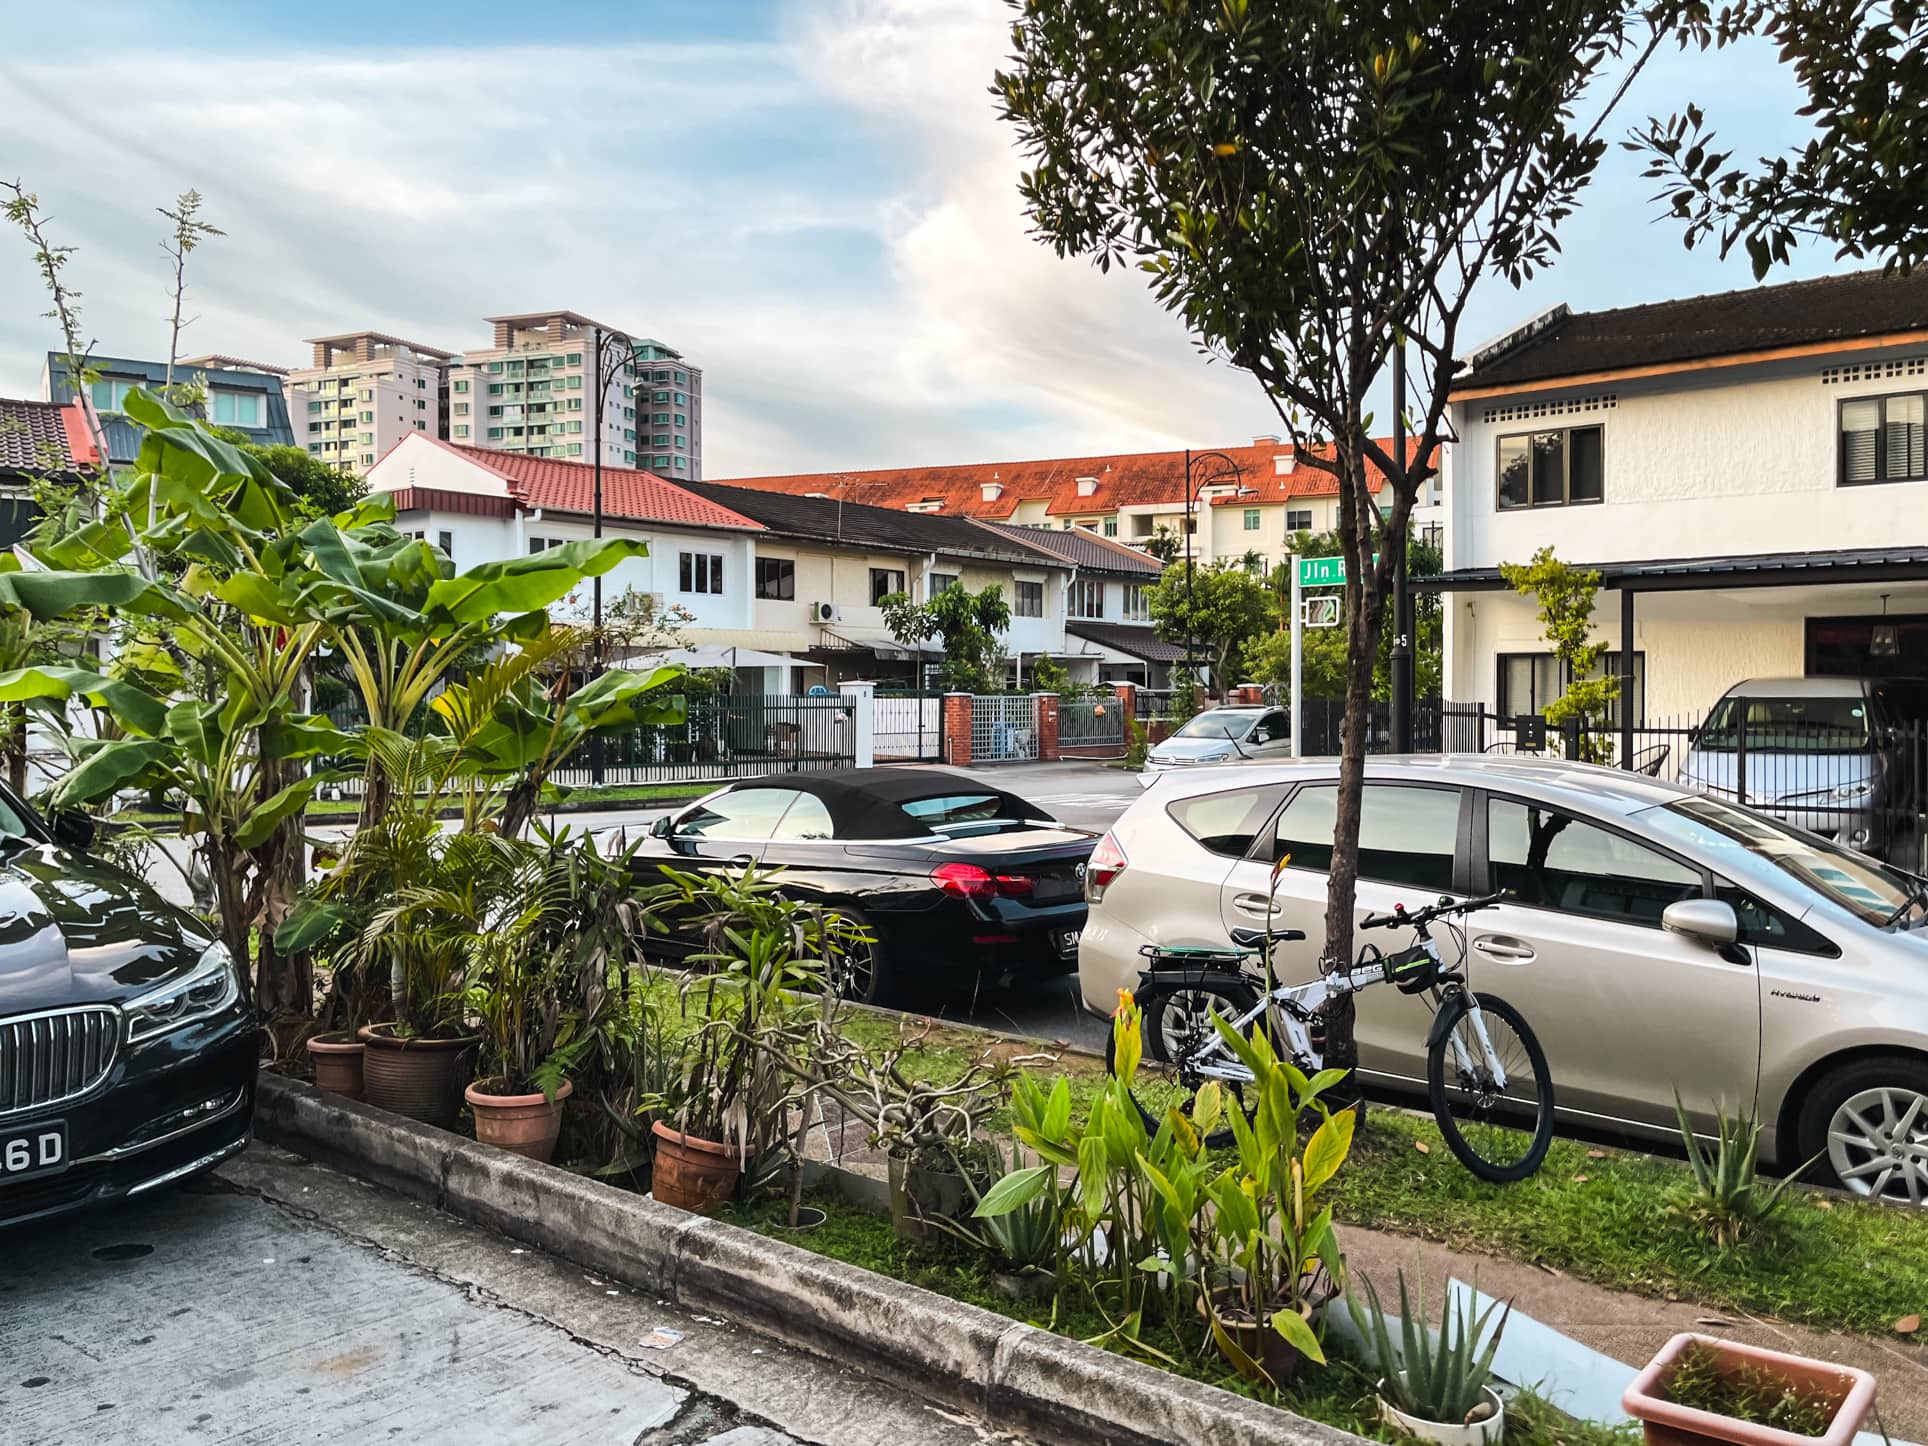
(956, 880)
(127, 1041)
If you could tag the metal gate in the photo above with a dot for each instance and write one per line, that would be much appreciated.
(1093, 723)
(907, 727)
(1004, 727)
(725, 738)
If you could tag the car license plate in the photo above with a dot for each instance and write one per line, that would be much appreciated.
(1067, 940)
(33, 1150)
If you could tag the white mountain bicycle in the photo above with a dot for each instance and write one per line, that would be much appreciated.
(1486, 1074)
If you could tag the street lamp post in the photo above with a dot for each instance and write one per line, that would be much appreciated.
(1221, 468)
(1400, 664)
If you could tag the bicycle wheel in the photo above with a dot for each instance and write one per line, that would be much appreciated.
(1177, 1020)
(1500, 1135)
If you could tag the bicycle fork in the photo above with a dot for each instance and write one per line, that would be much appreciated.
(1445, 1024)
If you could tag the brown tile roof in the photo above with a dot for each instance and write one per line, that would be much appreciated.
(43, 436)
(1079, 546)
(1862, 304)
(1127, 479)
(627, 493)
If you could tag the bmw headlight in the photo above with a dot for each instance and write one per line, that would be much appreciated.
(210, 987)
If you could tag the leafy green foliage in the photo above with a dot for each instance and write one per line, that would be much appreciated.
(1743, 1392)
(1441, 1378)
(1565, 596)
(1219, 606)
(1856, 183)
(320, 490)
(968, 623)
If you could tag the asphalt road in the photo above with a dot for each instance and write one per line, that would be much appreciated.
(279, 1302)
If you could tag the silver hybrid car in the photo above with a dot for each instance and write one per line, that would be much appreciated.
(1656, 939)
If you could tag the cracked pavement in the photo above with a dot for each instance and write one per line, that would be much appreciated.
(279, 1301)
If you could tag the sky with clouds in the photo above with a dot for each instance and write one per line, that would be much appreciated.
(812, 198)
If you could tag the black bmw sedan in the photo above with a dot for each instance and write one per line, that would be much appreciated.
(955, 880)
(127, 1041)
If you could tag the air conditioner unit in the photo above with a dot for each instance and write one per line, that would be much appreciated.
(825, 612)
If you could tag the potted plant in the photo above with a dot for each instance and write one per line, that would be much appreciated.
(1436, 1387)
(336, 1056)
(1019, 1223)
(1699, 1389)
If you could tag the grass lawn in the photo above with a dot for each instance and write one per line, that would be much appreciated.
(1339, 1394)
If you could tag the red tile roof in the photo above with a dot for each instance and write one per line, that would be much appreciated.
(1130, 479)
(559, 486)
(44, 436)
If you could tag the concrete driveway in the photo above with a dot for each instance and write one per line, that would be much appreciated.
(280, 1302)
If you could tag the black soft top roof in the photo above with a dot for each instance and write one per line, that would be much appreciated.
(869, 802)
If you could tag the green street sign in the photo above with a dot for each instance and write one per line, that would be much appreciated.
(1324, 571)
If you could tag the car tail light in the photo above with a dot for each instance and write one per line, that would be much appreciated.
(968, 881)
(1107, 861)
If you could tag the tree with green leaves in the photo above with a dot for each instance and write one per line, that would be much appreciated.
(969, 625)
(1219, 606)
(321, 490)
(1857, 183)
(1565, 595)
(1163, 544)
(1310, 186)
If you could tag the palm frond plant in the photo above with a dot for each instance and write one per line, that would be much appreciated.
(1441, 1379)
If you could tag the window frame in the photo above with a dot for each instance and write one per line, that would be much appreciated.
(1079, 597)
(1566, 468)
(699, 574)
(886, 574)
(781, 584)
(1841, 404)
(1502, 704)
(1018, 596)
(1463, 855)
(1482, 859)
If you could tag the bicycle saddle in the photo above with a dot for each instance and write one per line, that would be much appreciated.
(1255, 938)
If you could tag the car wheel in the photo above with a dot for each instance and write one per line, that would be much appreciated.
(1867, 1122)
(861, 974)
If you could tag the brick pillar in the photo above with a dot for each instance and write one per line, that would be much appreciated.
(1128, 704)
(957, 730)
(1047, 727)
(1247, 693)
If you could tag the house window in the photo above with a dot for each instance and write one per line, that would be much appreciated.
(495, 389)
(1885, 439)
(682, 419)
(1111, 527)
(1251, 519)
(370, 416)
(1030, 600)
(237, 409)
(495, 366)
(312, 406)
(543, 544)
(700, 571)
(1298, 519)
(462, 430)
(461, 384)
(1528, 682)
(446, 541)
(883, 582)
(1560, 468)
(1137, 603)
(682, 464)
(1087, 598)
(776, 577)
(495, 434)
(660, 462)
(942, 582)
(111, 396)
(575, 358)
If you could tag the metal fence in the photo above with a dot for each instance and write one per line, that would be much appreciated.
(1825, 763)
(1323, 719)
(1091, 723)
(1004, 727)
(1152, 704)
(907, 727)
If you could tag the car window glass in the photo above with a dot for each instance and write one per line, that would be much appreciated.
(1271, 729)
(1553, 860)
(12, 824)
(746, 813)
(955, 808)
(1763, 924)
(1406, 835)
(808, 818)
(1226, 823)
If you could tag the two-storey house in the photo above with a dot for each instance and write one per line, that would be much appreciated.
(242, 396)
(1748, 472)
(1107, 606)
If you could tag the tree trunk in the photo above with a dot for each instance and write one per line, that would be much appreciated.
(284, 983)
(17, 747)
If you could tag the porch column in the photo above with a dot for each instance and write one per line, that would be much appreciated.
(1626, 676)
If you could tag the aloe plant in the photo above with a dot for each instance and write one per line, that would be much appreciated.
(1019, 1217)
(1728, 1195)
(1443, 1378)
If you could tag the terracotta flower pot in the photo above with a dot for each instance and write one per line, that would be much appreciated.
(691, 1173)
(526, 1124)
(337, 1059)
(421, 1078)
(1668, 1423)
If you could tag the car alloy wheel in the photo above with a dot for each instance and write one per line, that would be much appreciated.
(1186, 1022)
(1878, 1143)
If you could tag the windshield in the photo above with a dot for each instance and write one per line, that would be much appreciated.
(1216, 725)
(1788, 725)
(1744, 845)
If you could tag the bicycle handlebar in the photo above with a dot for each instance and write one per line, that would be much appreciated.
(1418, 918)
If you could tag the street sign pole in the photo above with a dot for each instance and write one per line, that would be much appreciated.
(1298, 653)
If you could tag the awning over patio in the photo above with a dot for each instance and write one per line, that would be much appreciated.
(1681, 574)
(721, 655)
(846, 638)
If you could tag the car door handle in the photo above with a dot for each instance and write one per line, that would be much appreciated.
(1256, 904)
(1499, 946)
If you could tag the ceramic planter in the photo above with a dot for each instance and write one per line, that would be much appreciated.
(918, 1196)
(337, 1059)
(1256, 1338)
(526, 1124)
(690, 1173)
(1669, 1424)
(418, 1077)
(1483, 1432)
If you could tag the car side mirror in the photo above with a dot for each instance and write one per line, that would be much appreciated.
(661, 828)
(73, 829)
(1712, 922)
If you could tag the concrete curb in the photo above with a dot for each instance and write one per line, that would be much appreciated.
(1012, 1374)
